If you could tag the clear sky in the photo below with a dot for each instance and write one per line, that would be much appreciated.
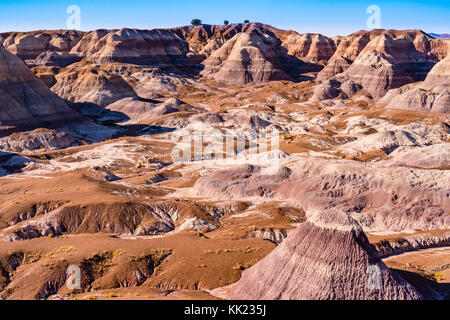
(326, 17)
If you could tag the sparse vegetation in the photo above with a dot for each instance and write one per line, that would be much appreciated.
(241, 267)
(196, 209)
(234, 250)
(156, 255)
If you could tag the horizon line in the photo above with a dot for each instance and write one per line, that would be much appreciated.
(231, 24)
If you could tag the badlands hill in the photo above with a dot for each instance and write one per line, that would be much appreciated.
(431, 95)
(326, 258)
(365, 63)
(377, 61)
(93, 125)
(29, 45)
(25, 100)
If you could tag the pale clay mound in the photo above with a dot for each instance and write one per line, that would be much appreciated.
(89, 86)
(134, 111)
(337, 267)
(390, 137)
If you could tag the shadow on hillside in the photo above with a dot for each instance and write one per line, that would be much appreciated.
(429, 287)
(136, 130)
(11, 163)
(109, 118)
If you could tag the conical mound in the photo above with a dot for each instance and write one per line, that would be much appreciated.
(326, 258)
(245, 58)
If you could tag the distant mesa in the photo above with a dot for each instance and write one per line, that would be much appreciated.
(443, 35)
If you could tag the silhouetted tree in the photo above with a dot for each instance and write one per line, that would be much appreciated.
(226, 22)
(246, 21)
(196, 22)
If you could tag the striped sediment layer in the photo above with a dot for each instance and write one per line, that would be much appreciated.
(328, 257)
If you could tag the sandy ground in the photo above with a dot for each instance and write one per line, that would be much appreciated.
(208, 255)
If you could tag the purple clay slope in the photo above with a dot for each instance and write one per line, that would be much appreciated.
(326, 258)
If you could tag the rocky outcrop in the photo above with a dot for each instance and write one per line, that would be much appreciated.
(421, 99)
(389, 139)
(381, 195)
(295, 52)
(326, 258)
(387, 248)
(272, 235)
(205, 39)
(39, 139)
(388, 63)
(139, 220)
(12, 163)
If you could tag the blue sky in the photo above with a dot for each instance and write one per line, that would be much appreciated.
(326, 17)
